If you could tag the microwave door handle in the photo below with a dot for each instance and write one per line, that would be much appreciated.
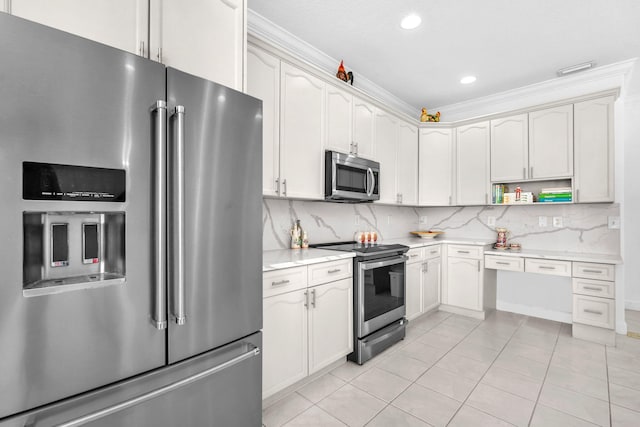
(177, 220)
(372, 182)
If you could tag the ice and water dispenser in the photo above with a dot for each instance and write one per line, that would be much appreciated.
(67, 249)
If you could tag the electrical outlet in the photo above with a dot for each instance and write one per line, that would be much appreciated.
(614, 222)
(557, 222)
(491, 221)
(542, 221)
(423, 220)
(357, 221)
(388, 219)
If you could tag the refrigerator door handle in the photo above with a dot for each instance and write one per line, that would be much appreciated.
(253, 351)
(177, 218)
(159, 112)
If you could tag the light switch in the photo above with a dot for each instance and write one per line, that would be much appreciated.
(491, 221)
(542, 221)
(614, 222)
(558, 222)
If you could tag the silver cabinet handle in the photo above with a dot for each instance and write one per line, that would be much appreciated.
(413, 255)
(141, 50)
(433, 252)
(531, 172)
(306, 299)
(356, 150)
(577, 194)
(425, 267)
(176, 266)
(463, 252)
(277, 186)
(284, 186)
(546, 267)
(478, 265)
(586, 310)
(313, 298)
(254, 351)
(281, 282)
(593, 271)
(449, 200)
(335, 270)
(159, 55)
(159, 111)
(592, 288)
(503, 263)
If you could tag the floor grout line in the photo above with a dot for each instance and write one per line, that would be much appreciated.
(544, 379)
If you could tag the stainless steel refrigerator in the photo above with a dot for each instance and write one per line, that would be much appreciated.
(130, 222)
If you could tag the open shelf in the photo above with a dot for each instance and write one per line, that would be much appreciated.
(529, 189)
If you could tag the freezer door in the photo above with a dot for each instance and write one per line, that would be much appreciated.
(220, 388)
(69, 101)
(214, 215)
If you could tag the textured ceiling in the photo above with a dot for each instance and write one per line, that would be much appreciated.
(505, 43)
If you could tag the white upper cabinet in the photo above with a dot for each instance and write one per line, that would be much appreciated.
(206, 38)
(302, 109)
(551, 143)
(407, 163)
(339, 120)
(594, 150)
(435, 167)
(363, 129)
(386, 132)
(263, 82)
(509, 148)
(472, 147)
(119, 23)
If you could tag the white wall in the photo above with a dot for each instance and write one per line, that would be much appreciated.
(631, 207)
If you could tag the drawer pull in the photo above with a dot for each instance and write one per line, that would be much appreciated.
(503, 263)
(281, 282)
(586, 310)
(335, 270)
(413, 255)
(433, 252)
(546, 267)
(463, 252)
(586, 270)
(592, 288)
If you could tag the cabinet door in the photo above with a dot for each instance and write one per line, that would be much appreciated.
(413, 297)
(435, 167)
(431, 277)
(387, 149)
(472, 148)
(206, 38)
(301, 133)
(339, 120)
(464, 283)
(594, 161)
(118, 23)
(330, 323)
(408, 164)
(363, 129)
(284, 342)
(263, 82)
(551, 143)
(509, 148)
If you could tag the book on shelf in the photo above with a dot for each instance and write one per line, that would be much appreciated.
(555, 199)
(556, 190)
(555, 195)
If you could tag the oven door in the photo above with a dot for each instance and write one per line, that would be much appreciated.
(380, 293)
(350, 178)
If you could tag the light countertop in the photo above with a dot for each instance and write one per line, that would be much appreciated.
(417, 242)
(285, 258)
(558, 255)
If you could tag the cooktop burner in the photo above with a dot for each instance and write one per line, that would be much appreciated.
(362, 249)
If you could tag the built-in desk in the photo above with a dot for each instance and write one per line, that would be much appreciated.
(593, 285)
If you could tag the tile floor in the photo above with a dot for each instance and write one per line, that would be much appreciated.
(632, 318)
(455, 371)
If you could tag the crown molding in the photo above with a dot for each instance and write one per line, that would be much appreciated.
(600, 79)
(265, 30)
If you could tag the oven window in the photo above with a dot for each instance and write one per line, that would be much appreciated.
(383, 290)
(351, 179)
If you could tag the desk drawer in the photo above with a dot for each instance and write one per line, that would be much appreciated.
(460, 251)
(594, 311)
(277, 282)
(498, 262)
(596, 288)
(415, 255)
(594, 271)
(330, 271)
(544, 266)
(432, 251)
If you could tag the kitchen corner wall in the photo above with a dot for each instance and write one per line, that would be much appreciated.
(584, 228)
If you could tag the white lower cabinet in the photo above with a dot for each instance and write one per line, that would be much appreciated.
(422, 281)
(306, 329)
(431, 278)
(413, 291)
(464, 283)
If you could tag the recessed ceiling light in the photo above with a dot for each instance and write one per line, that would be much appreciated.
(410, 22)
(575, 68)
(468, 80)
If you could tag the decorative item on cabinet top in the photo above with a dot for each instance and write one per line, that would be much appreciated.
(343, 75)
(424, 117)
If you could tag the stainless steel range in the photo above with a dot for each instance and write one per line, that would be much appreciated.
(379, 296)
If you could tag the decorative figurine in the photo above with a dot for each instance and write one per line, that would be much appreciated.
(343, 75)
(424, 117)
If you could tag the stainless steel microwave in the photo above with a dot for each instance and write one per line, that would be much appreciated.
(350, 179)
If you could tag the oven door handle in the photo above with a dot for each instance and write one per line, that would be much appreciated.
(370, 265)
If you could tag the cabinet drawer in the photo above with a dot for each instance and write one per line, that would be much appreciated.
(594, 271)
(460, 251)
(330, 271)
(543, 266)
(596, 288)
(594, 311)
(432, 251)
(286, 280)
(415, 255)
(498, 262)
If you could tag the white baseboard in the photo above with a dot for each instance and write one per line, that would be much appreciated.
(543, 313)
(632, 305)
